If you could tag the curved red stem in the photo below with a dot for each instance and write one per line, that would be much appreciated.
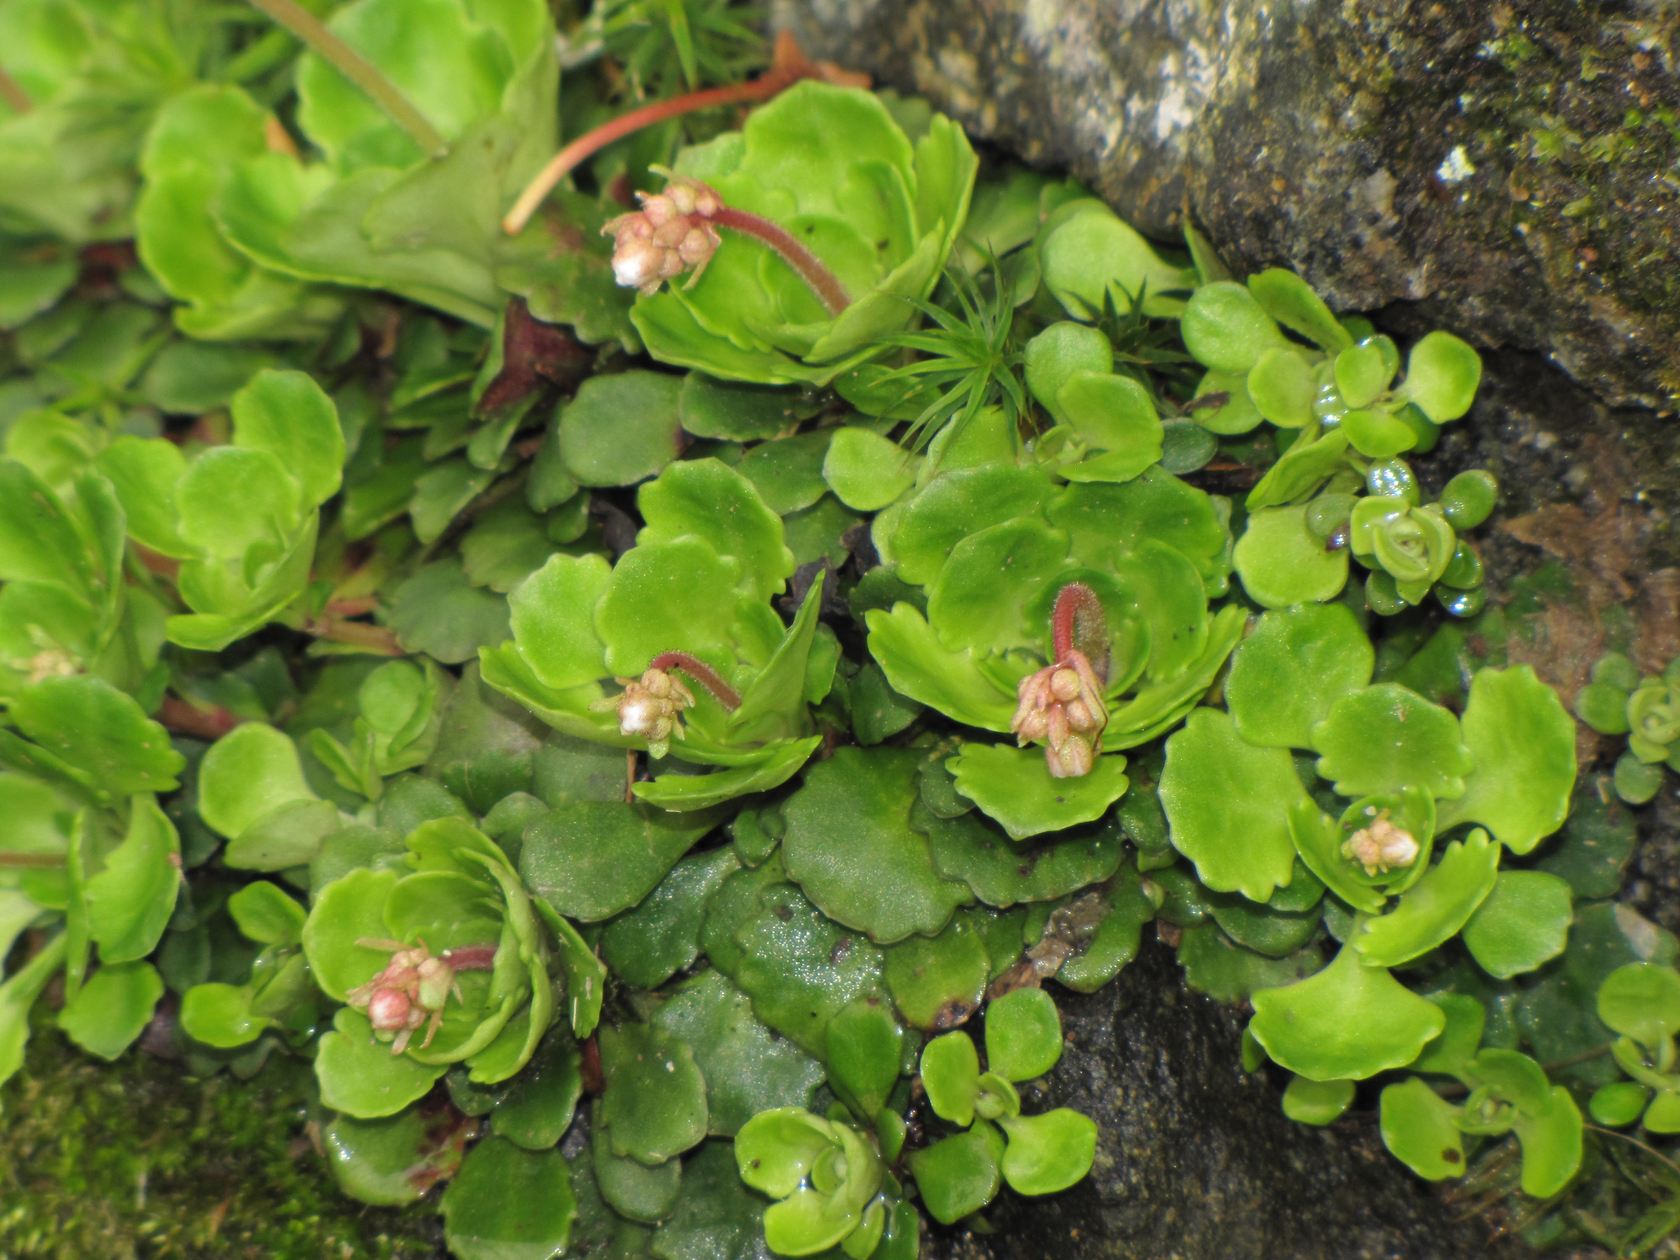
(1078, 624)
(702, 673)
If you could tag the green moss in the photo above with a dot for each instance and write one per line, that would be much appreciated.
(132, 1159)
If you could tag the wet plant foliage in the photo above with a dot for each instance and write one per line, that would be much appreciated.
(647, 698)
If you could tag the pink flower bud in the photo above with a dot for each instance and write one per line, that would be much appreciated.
(1062, 705)
(388, 1010)
(671, 233)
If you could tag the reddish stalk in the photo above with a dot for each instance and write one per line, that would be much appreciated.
(470, 957)
(823, 282)
(31, 861)
(702, 673)
(183, 717)
(11, 91)
(788, 66)
(1078, 624)
(370, 638)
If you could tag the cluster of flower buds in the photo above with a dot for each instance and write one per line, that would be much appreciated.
(1062, 705)
(411, 991)
(671, 233)
(1381, 847)
(651, 707)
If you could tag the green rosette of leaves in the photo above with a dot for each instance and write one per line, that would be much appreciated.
(87, 858)
(879, 195)
(1618, 701)
(699, 582)
(412, 210)
(983, 553)
(825, 1176)
(374, 931)
(961, 1173)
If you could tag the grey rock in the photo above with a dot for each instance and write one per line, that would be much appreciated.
(1195, 1160)
(1506, 169)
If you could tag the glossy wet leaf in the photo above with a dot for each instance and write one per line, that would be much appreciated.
(746, 1068)
(849, 823)
(246, 776)
(1419, 1130)
(937, 981)
(1289, 672)
(1387, 737)
(509, 1204)
(1523, 924)
(863, 1048)
(659, 936)
(591, 860)
(537, 1110)
(1013, 786)
(798, 966)
(1228, 804)
(655, 1101)
(1433, 910)
(1217, 966)
(1348, 1021)
(1522, 748)
(1001, 873)
(1283, 387)
(392, 1161)
(86, 730)
(1048, 1153)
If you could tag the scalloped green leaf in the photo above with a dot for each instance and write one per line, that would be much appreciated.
(591, 860)
(654, 1106)
(936, 981)
(1521, 742)
(1014, 787)
(847, 825)
(1227, 804)
(1291, 670)
(361, 1077)
(1387, 737)
(112, 1008)
(708, 500)
(509, 1204)
(130, 901)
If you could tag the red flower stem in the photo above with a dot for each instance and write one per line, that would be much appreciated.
(200, 721)
(822, 281)
(470, 957)
(11, 91)
(1078, 624)
(31, 861)
(702, 673)
(592, 142)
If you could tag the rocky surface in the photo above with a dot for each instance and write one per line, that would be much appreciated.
(1508, 170)
(1195, 1159)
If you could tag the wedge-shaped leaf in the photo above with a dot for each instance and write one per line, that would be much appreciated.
(1282, 562)
(936, 981)
(89, 733)
(1348, 1021)
(394, 1161)
(1522, 749)
(1023, 1035)
(1419, 1130)
(958, 1175)
(951, 1076)
(649, 943)
(248, 775)
(708, 500)
(1001, 874)
(1523, 924)
(1228, 805)
(286, 415)
(864, 1042)
(1433, 910)
(620, 429)
(1641, 1000)
(1551, 1144)
(1048, 1153)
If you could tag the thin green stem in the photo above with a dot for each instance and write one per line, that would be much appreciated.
(357, 68)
